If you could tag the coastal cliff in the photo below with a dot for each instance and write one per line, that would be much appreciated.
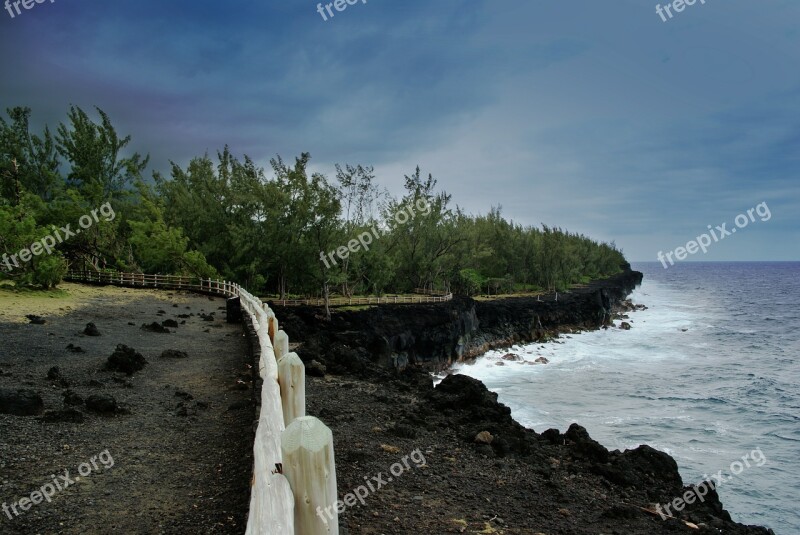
(437, 335)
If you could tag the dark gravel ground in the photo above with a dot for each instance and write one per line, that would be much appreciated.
(182, 458)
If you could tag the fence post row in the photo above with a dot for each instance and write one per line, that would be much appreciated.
(279, 502)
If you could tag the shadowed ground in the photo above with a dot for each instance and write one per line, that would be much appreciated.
(182, 457)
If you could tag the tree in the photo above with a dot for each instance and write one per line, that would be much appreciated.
(325, 231)
(421, 244)
(27, 161)
(93, 151)
(160, 248)
(359, 194)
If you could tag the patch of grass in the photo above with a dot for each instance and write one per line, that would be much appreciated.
(9, 289)
(292, 297)
(388, 448)
(506, 296)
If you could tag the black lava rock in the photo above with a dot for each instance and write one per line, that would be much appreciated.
(125, 360)
(71, 398)
(22, 402)
(36, 320)
(91, 330)
(65, 415)
(102, 404)
(155, 327)
(173, 354)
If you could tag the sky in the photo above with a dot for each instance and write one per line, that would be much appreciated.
(598, 117)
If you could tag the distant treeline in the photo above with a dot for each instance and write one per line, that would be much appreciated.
(271, 230)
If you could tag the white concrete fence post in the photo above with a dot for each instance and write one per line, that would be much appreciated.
(292, 380)
(308, 464)
(281, 344)
(272, 327)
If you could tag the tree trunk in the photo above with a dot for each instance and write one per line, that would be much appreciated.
(282, 284)
(327, 301)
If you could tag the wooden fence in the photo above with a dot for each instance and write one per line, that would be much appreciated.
(435, 293)
(294, 472)
(141, 280)
(176, 282)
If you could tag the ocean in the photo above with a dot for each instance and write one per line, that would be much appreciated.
(709, 374)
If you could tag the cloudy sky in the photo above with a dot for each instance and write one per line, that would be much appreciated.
(598, 117)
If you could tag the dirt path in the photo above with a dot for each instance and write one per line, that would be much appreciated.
(179, 462)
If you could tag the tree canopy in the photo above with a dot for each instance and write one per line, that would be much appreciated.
(272, 230)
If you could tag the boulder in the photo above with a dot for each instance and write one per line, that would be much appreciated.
(584, 445)
(64, 415)
(91, 330)
(315, 369)
(102, 404)
(463, 393)
(233, 307)
(54, 375)
(484, 437)
(125, 360)
(173, 354)
(155, 327)
(22, 402)
(404, 431)
(71, 398)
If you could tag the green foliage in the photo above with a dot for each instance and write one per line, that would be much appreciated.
(29, 162)
(469, 282)
(160, 248)
(93, 153)
(49, 271)
(266, 229)
(19, 231)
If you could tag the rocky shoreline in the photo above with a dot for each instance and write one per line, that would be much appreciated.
(436, 336)
(485, 473)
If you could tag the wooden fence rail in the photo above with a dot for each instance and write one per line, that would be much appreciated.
(289, 485)
(176, 282)
(436, 293)
(347, 301)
